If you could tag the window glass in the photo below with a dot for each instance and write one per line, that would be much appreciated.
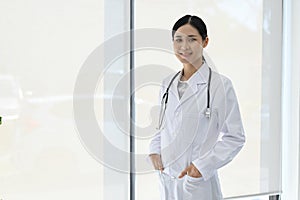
(44, 46)
(237, 32)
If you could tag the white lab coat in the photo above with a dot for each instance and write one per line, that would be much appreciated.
(188, 136)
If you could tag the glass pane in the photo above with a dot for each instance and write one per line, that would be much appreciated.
(43, 153)
(236, 42)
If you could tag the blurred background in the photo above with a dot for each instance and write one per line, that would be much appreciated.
(44, 46)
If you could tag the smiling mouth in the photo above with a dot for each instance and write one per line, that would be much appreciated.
(184, 54)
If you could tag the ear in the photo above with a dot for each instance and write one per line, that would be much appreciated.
(205, 42)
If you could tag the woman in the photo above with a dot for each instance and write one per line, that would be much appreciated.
(200, 124)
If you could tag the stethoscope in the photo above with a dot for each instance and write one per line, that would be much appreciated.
(165, 97)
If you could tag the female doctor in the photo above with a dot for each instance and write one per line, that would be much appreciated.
(200, 127)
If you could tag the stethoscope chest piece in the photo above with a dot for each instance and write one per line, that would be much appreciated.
(207, 113)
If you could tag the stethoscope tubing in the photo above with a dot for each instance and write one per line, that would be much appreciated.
(165, 98)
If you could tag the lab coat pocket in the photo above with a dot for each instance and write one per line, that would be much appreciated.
(196, 189)
(193, 120)
(196, 126)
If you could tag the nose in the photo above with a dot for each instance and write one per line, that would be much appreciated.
(184, 45)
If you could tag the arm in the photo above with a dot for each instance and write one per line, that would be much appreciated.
(233, 139)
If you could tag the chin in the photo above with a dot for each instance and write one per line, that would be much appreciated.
(182, 60)
(185, 62)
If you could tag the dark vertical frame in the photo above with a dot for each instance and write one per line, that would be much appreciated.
(132, 105)
(274, 197)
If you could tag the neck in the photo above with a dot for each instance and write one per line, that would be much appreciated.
(190, 69)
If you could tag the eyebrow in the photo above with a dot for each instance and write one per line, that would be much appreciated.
(188, 36)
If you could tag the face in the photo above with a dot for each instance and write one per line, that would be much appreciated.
(188, 44)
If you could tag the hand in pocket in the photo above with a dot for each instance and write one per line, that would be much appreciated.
(191, 171)
(156, 161)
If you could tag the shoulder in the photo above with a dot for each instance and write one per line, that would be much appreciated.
(221, 80)
(221, 85)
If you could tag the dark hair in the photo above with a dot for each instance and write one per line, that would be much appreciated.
(194, 21)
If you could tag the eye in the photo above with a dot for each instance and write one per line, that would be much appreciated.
(192, 39)
(178, 40)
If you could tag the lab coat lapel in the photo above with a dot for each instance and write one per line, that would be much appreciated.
(200, 77)
(190, 92)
